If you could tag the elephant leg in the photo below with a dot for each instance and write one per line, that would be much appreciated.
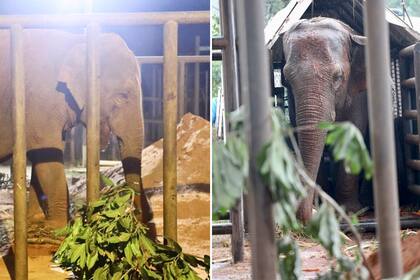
(37, 209)
(51, 181)
(347, 190)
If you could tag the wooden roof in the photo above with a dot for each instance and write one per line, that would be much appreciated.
(348, 11)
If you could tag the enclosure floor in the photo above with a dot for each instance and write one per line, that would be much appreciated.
(314, 258)
(40, 266)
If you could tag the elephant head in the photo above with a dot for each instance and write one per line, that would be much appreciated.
(324, 68)
(121, 101)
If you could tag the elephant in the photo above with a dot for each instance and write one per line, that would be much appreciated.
(56, 98)
(324, 69)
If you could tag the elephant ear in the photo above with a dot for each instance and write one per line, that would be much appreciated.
(358, 66)
(72, 73)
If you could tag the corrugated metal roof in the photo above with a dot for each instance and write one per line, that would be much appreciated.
(348, 11)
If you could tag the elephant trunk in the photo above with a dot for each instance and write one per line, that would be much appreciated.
(131, 138)
(312, 107)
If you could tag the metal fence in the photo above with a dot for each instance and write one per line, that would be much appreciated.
(93, 22)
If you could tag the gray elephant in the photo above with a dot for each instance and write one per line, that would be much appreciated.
(56, 95)
(325, 70)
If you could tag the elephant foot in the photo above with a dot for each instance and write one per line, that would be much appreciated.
(151, 233)
(56, 223)
(352, 206)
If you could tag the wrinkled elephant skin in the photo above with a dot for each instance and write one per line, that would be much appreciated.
(324, 68)
(56, 94)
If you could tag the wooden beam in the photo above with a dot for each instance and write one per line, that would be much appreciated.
(105, 19)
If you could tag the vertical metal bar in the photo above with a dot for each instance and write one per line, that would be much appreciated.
(19, 153)
(197, 78)
(417, 82)
(230, 90)
(181, 90)
(382, 138)
(93, 113)
(255, 92)
(170, 84)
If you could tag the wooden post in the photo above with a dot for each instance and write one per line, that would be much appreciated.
(197, 79)
(255, 91)
(181, 90)
(170, 84)
(19, 153)
(93, 113)
(382, 139)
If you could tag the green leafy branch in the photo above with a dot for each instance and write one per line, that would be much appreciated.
(106, 241)
(283, 172)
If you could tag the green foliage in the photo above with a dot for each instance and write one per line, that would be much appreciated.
(283, 173)
(413, 6)
(348, 145)
(273, 6)
(278, 169)
(106, 241)
(230, 165)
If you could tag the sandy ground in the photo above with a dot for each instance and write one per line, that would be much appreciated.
(193, 146)
(314, 260)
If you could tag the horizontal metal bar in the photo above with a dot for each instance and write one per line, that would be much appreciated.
(105, 19)
(220, 229)
(409, 83)
(412, 139)
(410, 114)
(370, 225)
(415, 189)
(408, 51)
(216, 56)
(363, 226)
(414, 164)
(181, 59)
(219, 43)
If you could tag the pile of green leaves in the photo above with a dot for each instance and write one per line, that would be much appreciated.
(280, 166)
(106, 241)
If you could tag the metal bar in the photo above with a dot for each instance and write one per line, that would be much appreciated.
(408, 83)
(382, 139)
(197, 79)
(412, 139)
(408, 51)
(19, 153)
(370, 225)
(414, 164)
(410, 114)
(181, 90)
(181, 59)
(220, 229)
(93, 115)
(219, 43)
(230, 89)
(170, 83)
(417, 80)
(104, 19)
(256, 97)
(216, 56)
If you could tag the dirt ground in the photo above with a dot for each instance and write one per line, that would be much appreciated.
(314, 258)
(193, 146)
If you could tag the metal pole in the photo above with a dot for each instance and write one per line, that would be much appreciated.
(170, 83)
(231, 85)
(382, 139)
(181, 90)
(93, 113)
(255, 91)
(19, 153)
(197, 79)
